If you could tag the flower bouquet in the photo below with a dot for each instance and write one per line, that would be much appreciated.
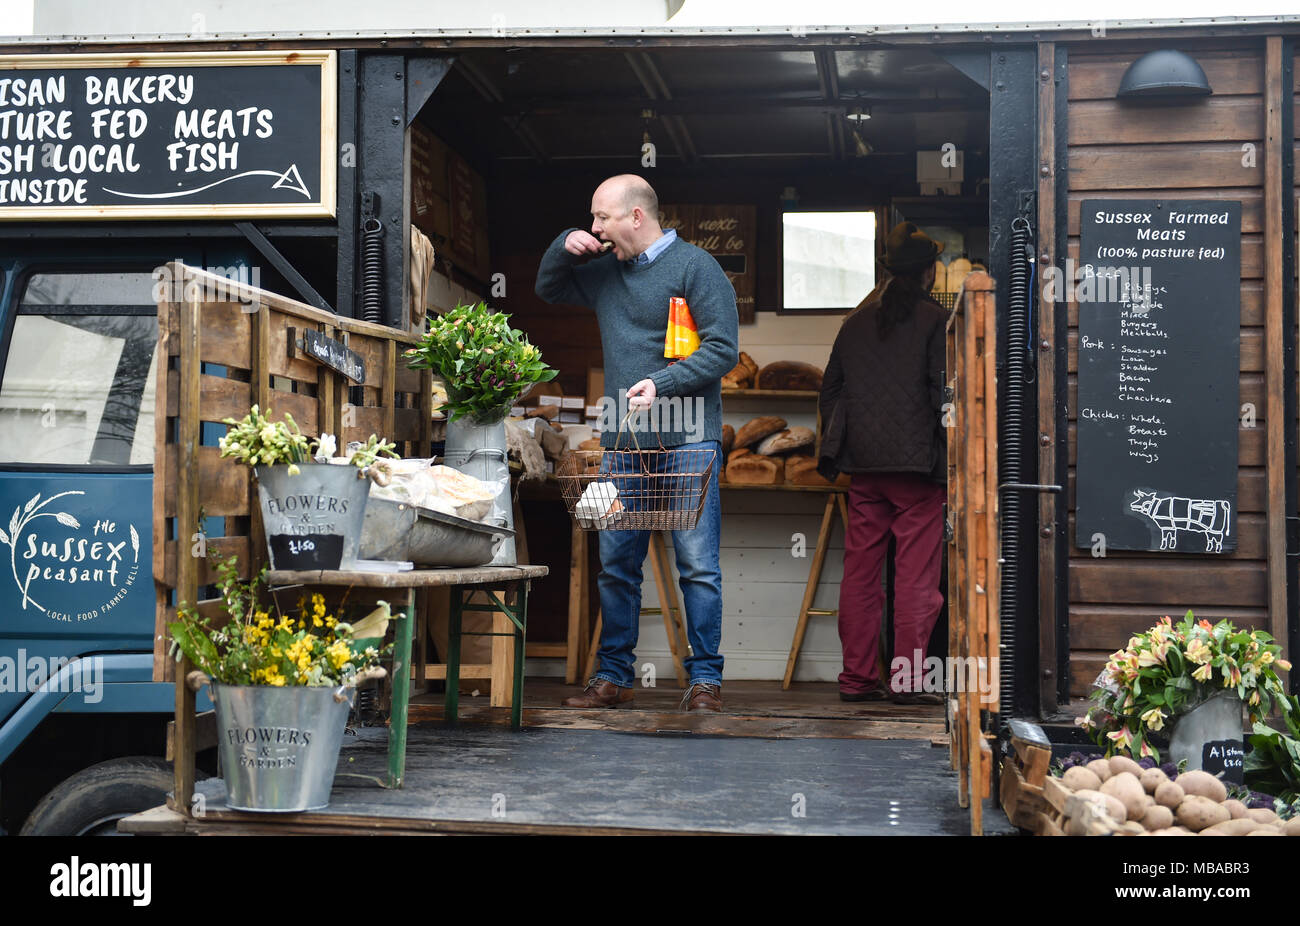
(1165, 672)
(486, 365)
(282, 685)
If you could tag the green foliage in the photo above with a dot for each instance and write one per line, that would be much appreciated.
(257, 440)
(486, 364)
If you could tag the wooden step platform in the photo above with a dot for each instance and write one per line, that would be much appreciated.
(809, 710)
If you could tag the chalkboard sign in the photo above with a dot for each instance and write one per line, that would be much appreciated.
(333, 354)
(729, 233)
(247, 134)
(306, 551)
(1224, 759)
(1158, 287)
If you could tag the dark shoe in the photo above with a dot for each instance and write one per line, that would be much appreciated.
(701, 697)
(600, 693)
(871, 694)
(917, 697)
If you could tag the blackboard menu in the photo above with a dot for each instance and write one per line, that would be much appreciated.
(728, 233)
(166, 135)
(1159, 299)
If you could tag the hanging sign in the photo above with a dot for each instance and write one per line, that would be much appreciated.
(201, 135)
(333, 354)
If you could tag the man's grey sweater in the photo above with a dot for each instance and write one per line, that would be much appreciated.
(631, 303)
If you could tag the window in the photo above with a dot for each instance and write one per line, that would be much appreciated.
(828, 259)
(79, 380)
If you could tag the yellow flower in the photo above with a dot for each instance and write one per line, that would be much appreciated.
(1154, 719)
(1121, 737)
(1283, 665)
(1203, 673)
(1266, 657)
(1198, 652)
(1254, 697)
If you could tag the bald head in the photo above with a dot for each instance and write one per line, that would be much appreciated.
(625, 210)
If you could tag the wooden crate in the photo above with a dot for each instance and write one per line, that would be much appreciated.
(973, 577)
(1024, 774)
(224, 346)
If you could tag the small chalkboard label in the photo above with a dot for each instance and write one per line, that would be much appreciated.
(306, 551)
(1226, 757)
(334, 355)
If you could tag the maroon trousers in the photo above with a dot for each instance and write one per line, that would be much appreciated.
(911, 507)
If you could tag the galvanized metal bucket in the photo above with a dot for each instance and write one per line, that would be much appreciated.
(1217, 721)
(479, 450)
(279, 747)
(313, 520)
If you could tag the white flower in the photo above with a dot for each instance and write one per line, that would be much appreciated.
(328, 447)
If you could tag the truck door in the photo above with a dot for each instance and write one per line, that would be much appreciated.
(77, 427)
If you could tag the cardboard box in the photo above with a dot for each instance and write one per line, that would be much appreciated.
(572, 401)
(555, 400)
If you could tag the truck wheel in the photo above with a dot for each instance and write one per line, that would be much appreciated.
(92, 801)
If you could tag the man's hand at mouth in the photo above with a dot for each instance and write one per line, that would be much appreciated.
(580, 242)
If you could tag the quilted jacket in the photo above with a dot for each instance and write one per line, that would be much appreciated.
(881, 401)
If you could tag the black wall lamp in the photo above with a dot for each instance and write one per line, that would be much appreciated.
(1166, 72)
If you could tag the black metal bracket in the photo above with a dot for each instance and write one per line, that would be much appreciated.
(1293, 537)
(1027, 487)
(281, 264)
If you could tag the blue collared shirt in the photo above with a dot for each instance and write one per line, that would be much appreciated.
(657, 248)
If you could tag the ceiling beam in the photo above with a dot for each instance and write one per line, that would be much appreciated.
(656, 88)
(493, 98)
(828, 79)
(710, 105)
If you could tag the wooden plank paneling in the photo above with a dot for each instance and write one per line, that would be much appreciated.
(1275, 426)
(1201, 165)
(223, 484)
(1216, 119)
(218, 397)
(1101, 627)
(1165, 581)
(227, 338)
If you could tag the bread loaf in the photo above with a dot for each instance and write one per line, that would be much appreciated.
(542, 411)
(754, 469)
(801, 470)
(756, 429)
(728, 439)
(790, 374)
(789, 439)
(742, 375)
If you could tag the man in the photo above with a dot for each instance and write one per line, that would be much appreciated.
(630, 291)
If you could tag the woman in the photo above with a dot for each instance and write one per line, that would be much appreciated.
(880, 406)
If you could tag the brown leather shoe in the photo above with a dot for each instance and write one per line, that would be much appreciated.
(600, 693)
(701, 697)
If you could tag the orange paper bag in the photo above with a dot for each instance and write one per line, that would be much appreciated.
(681, 338)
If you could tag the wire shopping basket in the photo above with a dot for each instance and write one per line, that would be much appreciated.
(635, 489)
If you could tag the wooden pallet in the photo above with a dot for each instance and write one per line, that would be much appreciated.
(1024, 774)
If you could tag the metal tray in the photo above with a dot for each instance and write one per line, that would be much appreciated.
(394, 531)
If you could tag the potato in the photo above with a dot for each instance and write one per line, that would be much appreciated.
(1075, 827)
(1204, 784)
(1100, 768)
(1158, 818)
(1262, 815)
(1124, 764)
(1236, 808)
(1266, 831)
(1292, 827)
(1197, 813)
(1126, 787)
(1169, 794)
(1171, 831)
(1113, 806)
(1209, 832)
(1151, 778)
(1079, 778)
(1237, 827)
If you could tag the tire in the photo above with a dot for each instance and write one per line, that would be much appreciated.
(91, 802)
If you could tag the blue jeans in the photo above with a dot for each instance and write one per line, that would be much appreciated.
(622, 553)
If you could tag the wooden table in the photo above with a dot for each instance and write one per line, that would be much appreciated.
(462, 581)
